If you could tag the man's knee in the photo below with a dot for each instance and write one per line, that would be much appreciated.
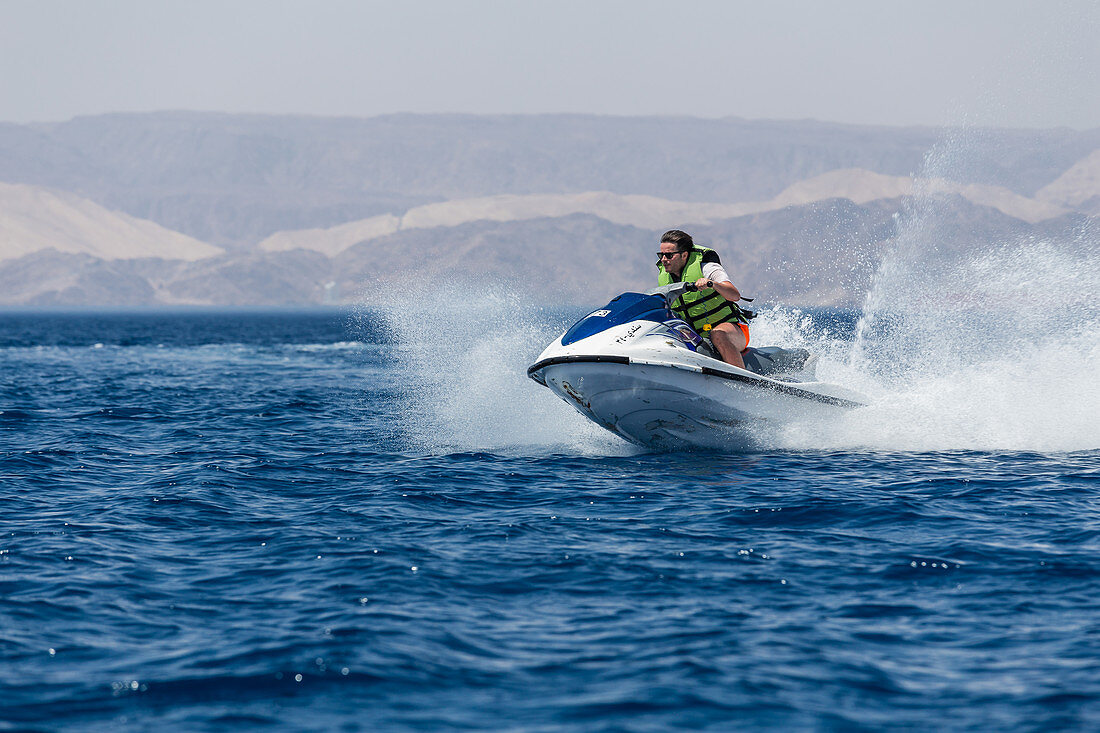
(732, 334)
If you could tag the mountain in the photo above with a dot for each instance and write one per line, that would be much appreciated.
(33, 219)
(184, 208)
(820, 253)
(51, 278)
(650, 212)
(233, 180)
(1078, 187)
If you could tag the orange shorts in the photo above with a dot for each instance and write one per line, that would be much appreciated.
(744, 330)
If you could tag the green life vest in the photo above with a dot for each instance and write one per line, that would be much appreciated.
(704, 309)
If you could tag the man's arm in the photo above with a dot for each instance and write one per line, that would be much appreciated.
(714, 276)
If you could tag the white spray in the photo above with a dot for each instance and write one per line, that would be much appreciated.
(966, 343)
(463, 370)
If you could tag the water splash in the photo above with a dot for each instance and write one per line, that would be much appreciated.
(973, 341)
(463, 374)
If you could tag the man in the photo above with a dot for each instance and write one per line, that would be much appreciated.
(712, 311)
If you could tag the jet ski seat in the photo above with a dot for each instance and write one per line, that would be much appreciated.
(788, 365)
(794, 364)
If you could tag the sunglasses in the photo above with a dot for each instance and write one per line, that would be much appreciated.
(667, 255)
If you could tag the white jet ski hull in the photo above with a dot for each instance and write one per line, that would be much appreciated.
(670, 407)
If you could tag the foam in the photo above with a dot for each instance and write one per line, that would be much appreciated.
(464, 375)
(967, 344)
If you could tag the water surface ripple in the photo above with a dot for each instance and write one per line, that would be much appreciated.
(226, 521)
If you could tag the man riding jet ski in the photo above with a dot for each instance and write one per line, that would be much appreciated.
(714, 315)
(644, 368)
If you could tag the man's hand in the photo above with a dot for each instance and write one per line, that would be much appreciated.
(724, 288)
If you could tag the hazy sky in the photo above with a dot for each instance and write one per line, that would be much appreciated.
(998, 62)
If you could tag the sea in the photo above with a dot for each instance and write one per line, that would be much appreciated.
(369, 518)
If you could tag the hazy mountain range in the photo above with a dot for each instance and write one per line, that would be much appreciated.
(185, 208)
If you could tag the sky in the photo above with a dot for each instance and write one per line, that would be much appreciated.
(1003, 63)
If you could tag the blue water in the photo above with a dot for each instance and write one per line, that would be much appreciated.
(291, 521)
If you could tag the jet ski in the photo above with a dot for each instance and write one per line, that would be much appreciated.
(640, 371)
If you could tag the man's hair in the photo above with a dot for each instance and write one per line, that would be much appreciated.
(682, 240)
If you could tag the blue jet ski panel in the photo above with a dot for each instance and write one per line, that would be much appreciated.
(623, 309)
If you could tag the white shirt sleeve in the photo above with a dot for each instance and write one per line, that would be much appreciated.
(714, 271)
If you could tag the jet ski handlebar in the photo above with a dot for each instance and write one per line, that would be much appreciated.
(672, 291)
